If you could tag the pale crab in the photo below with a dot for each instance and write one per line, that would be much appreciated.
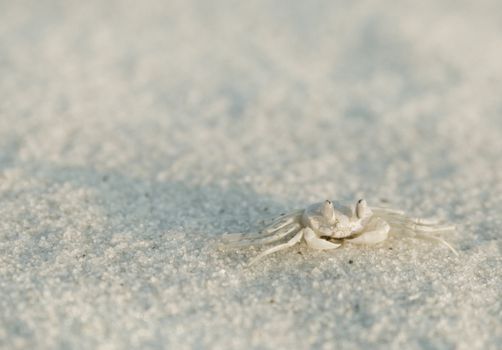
(328, 224)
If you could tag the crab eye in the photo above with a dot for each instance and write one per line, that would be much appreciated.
(361, 208)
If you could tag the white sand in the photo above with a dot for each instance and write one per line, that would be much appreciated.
(133, 134)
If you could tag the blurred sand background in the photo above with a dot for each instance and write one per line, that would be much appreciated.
(134, 133)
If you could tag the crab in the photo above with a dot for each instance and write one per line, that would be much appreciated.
(329, 224)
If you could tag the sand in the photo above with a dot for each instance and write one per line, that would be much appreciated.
(133, 134)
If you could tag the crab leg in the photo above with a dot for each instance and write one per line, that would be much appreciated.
(418, 227)
(418, 221)
(433, 238)
(405, 223)
(281, 222)
(261, 239)
(421, 228)
(386, 210)
(275, 227)
(296, 238)
(399, 215)
(276, 220)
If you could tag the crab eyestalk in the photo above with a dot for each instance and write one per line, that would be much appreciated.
(328, 211)
(362, 209)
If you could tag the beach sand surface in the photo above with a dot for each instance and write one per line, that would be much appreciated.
(133, 134)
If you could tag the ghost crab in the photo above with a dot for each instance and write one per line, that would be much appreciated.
(328, 224)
